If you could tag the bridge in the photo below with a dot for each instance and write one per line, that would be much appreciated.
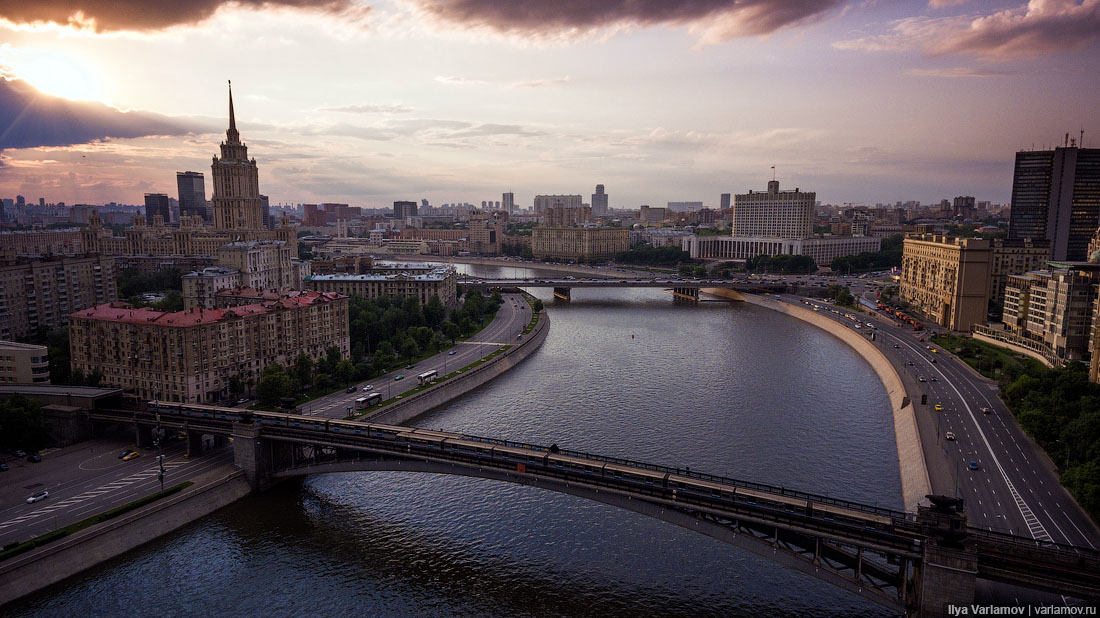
(916, 563)
(687, 289)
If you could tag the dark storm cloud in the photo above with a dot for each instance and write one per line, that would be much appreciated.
(29, 119)
(143, 15)
(738, 17)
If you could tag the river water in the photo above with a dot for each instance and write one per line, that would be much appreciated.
(724, 388)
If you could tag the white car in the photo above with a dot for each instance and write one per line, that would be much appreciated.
(368, 387)
(38, 496)
(950, 435)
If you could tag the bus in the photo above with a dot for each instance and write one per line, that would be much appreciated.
(427, 376)
(369, 400)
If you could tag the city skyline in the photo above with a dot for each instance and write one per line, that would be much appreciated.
(370, 103)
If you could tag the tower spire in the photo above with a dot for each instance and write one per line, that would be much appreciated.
(232, 134)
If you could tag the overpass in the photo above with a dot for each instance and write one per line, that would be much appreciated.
(681, 288)
(915, 563)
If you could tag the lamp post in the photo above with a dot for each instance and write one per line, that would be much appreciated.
(158, 441)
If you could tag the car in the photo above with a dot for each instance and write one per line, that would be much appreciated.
(131, 455)
(409, 366)
(35, 497)
(351, 389)
(932, 360)
(451, 353)
(921, 378)
(241, 400)
(124, 453)
(920, 338)
(950, 435)
(20, 453)
(3, 467)
(927, 347)
(398, 377)
(939, 408)
(932, 379)
(987, 411)
(973, 465)
(369, 387)
(909, 363)
(34, 458)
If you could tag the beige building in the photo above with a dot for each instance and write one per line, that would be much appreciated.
(947, 279)
(567, 216)
(42, 242)
(1050, 313)
(200, 287)
(23, 363)
(421, 281)
(774, 213)
(191, 356)
(576, 243)
(1014, 257)
(39, 294)
(822, 250)
(262, 264)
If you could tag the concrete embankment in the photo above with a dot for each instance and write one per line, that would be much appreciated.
(405, 410)
(47, 565)
(915, 483)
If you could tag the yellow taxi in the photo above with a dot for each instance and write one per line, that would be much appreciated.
(939, 408)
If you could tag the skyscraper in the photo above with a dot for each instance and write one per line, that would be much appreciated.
(1056, 197)
(774, 213)
(509, 202)
(157, 204)
(192, 194)
(724, 201)
(599, 202)
(237, 204)
(404, 209)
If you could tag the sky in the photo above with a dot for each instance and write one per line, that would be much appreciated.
(370, 101)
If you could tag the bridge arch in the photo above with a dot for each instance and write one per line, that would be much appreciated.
(774, 547)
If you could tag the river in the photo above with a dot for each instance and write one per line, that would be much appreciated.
(726, 388)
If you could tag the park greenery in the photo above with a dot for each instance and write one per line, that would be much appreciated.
(1059, 408)
(653, 256)
(842, 295)
(888, 256)
(781, 264)
(132, 282)
(22, 426)
(385, 333)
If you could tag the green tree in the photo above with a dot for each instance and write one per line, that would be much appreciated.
(303, 369)
(410, 349)
(537, 306)
(236, 387)
(345, 372)
(274, 385)
(468, 326)
(451, 330)
(434, 312)
(22, 425)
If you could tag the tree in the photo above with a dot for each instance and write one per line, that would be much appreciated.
(345, 371)
(410, 349)
(434, 312)
(57, 349)
(537, 305)
(303, 369)
(22, 425)
(451, 330)
(468, 326)
(236, 387)
(274, 385)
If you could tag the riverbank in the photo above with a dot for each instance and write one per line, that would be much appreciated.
(915, 480)
(49, 564)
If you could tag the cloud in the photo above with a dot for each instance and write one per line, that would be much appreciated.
(143, 15)
(538, 83)
(942, 4)
(713, 20)
(458, 81)
(30, 119)
(1037, 28)
(369, 109)
(961, 72)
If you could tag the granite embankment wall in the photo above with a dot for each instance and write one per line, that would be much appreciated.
(47, 565)
(915, 483)
(405, 410)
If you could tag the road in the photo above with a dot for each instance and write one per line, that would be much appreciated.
(507, 325)
(1015, 488)
(89, 478)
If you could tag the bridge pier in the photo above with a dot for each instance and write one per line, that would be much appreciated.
(562, 293)
(143, 435)
(949, 566)
(688, 294)
(250, 455)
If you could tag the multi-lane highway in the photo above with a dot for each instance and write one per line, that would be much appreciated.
(1015, 487)
(506, 328)
(89, 478)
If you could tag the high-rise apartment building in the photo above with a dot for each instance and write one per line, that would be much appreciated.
(38, 295)
(724, 201)
(599, 202)
(191, 356)
(156, 204)
(509, 203)
(774, 213)
(562, 216)
(947, 278)
(1056, 197)
(1014, 257)
(236, 201)
(579, 243)
(402, 209)
(265, 209)
(192, 195)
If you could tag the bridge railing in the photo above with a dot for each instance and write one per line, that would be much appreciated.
(1069, 552)
(816, 498)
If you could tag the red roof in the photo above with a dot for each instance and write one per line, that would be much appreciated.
(121, 312)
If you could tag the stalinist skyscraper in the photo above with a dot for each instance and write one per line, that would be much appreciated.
(237, 203)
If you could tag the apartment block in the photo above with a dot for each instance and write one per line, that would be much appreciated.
(23, 363)
(576, 243)
(190, 356)
(947, 278)
(39, 294)
(422, 284)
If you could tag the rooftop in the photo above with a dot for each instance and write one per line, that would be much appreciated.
(122, 312)
(13, 345)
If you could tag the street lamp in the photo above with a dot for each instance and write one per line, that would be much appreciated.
(158, 441)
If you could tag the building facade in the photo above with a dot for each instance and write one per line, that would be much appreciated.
(39, 294)
(774, 213)
(544, 202)
(403, 209)
(236, 201)
(599, 202)
(947, 279)
(822, 250)
(191, 356)
(156, 205)
(1056, 198)
(1014, 257)
(577, 243)
(192, 196)
(23, 363)
(422, 284)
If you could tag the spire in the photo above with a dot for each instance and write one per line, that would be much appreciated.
(232, 134)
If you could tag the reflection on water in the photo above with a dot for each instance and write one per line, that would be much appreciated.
(723, 388)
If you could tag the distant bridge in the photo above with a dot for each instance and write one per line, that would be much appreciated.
(915, 563)
(681, 287)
